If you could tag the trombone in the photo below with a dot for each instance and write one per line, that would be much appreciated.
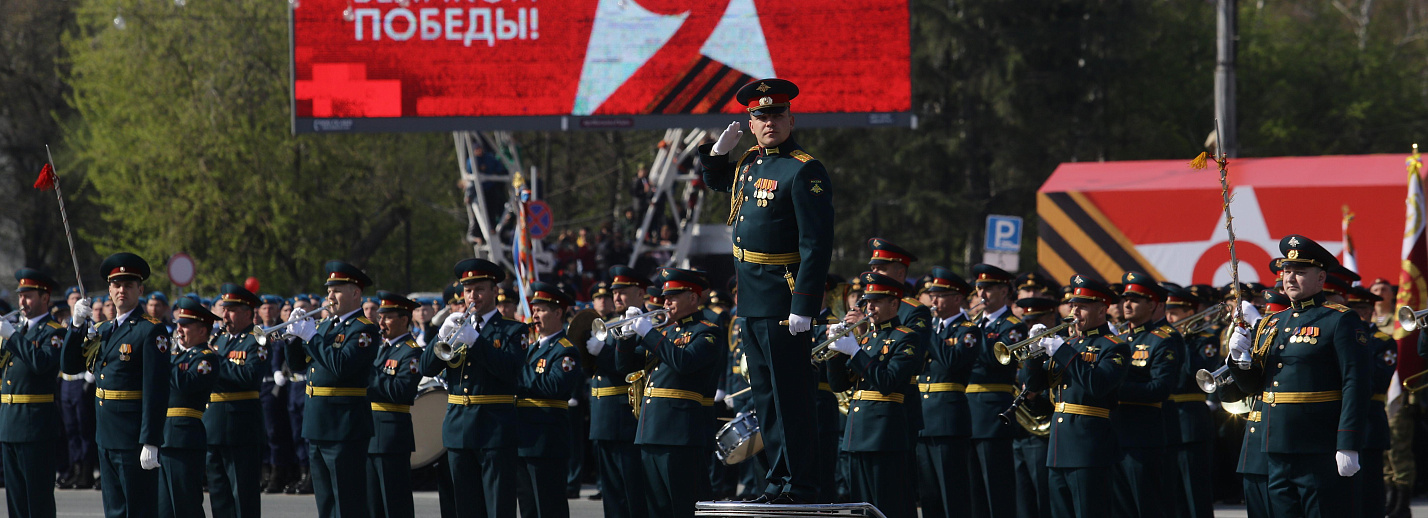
(267, 334)
(1022, 351)
(823, 351)
(1411, 320)
(1199, 322)
(601, 329)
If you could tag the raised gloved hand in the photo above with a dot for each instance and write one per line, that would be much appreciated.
(846, 345)
(149, 457)
(1348, 461)
(1250, 313)
(1036, 330)
(1240, 345)
(6, 330)
(81, 312)
(719, 394)
(304, 330)
(642, 326)
(279, 379)
(1052, 343)
(89, 377)
(594, 345)
(799, 323)
(628, 327)
(728, 139)
(297, 314)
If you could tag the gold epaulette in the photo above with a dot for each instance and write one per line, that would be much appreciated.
(151, 319)
(1162, 331)
(364, 320)
(1381, 335)
(1013, 319)
(708, 323)
(904, 329)
(801, 156)
(54, 325)
(1336, 307)
(1114, 339)
(565, 343)
(412, 343)
(911, 301)
(969, 324)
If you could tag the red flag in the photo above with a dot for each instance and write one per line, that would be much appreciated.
(47, 178)
(1412, 291)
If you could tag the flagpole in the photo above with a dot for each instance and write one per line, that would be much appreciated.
(64, 217)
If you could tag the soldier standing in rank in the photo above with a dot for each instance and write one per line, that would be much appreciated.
(29, 419)
(1190, 456)
(76, 404)
(1029, 450)
(892, 261)
(233, 421)
(131, 360)
(191, 380)
(946, 421)
(990, 390)
(1084, 376)
(680, 374)
(545, 380)
(296, 404)
(1307, 360)
(391, 392)
(782, 214)
(337, 356)
(612, 425)
(1382, 354)
(479, 431)
(1139, 419)
(273, 397)
(877, 368)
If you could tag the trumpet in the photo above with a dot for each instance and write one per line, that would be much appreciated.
(1199, 322)
(1022, 351)
(1209, 382)
(1411, 320)
(823, 351)
(11, 316)
(601, 329)
(454, 354)
(267, 334)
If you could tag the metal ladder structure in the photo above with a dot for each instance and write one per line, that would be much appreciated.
(678, 146)
(503, 146)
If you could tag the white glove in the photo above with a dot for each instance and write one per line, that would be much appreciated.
(573, 402)
(1052, 343)
(836, 328)
(1348, 461)
(465, 335)
(729, 402)
(719, 394)
(1249, 312)
(81, 312)
(303, 330)
(6, 330)
(149, 457)
(297, 314)
(88, 377)
(279, 379)
(728, 139)
(594, 346)
(1240, 344)
(1036, 330)
(799, 323)
(846, 345)
(642, 326)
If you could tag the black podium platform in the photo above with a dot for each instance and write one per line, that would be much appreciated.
(746, 510)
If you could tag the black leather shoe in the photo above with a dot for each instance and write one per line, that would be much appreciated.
(596, 496)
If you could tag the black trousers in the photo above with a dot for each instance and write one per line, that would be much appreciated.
(993, 481)
(29, 477)
(128, 490)
(1308, 485)
(484, 482)
(676, 477)
(1030, 463)
(540, 487)
(1139, 483)
(1192, 461)
(180, 483)
(942, 476)
(1256, 491)
(622, 479)
(879, 478)
(1369, 498)
(1080, 492)
(389, 485)
(233, 478)
(339, 477)
(783, 387)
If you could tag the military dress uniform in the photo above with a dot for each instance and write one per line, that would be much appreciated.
(679, 362)
(479, 430)
(549, 372)
(1029, 450)
(393, 389)
(943, 442)
(1141, 485)
(1084, 376)
(192, 376)
(612, 424)
(29, 418)
(1382, 359)
(990, 390)
(782, 217)
(337, 420)
(234, 419)
(1189, 429)
(1309, 364)
(131, 368)
(1253, 465)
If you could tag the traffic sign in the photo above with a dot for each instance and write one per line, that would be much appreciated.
(539, 219)
(1003, 233)
(181, 269)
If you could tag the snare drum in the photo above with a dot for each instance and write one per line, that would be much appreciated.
(739, 439)
(428, 412)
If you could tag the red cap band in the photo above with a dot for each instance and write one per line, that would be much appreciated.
(681, 286)
(1142, 291)
(888, 255)
(883, 289)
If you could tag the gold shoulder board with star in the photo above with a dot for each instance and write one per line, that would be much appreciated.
(801, 156)
(151, 319)
(1114, 339)
(364, 320)
(1337, 307)
(708, 323)
(969, 324)
(1162, 331)
(1013, 319)
(54, 325)
(411, 343)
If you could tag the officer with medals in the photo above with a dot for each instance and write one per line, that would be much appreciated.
(131, 367)
(391, 392)
(892, 261)
(29, 418)
(546, 378)
(1382, 354)
(234, 419)
(782, 214)
(946, 421)
(479, 431)
(612, 424)
(1189, 457)
(1309, 362)
(1139, 420)
(1029, 450)
(337, 355)
(990, 389)
(877, 369)
(192, 377)
(1084, 376)
(680, 371)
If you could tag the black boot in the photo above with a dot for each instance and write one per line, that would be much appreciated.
(67, 481)
(303, 482)
(1398, 506)
(85, 480)
(282, 476)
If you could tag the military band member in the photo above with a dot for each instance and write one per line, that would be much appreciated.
(233, 421)
(782, 214)
(680, 366)
(877, 369)
(891, 260)
(1034, 285)
(1308, 361)
(29, 418)
(479, 431)
(1382, 355)
(1084, 376)
(1191, 454)
(946, 421)
(1157, 353)
(612, 424)
(337, 355)
(1029, 450)
(547, 375)
(391, 392)
(191, 380)
(131, 367)
(990, 390)
(273, 398)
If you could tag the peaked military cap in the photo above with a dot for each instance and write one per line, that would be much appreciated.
(544, 292)
(944, 279)
(339, 272)
(675, 280)
(389, 302)
(1086, 289)
(1275, 266)
(1275, 302)
(885, 252)
(1033, 306)
(922, 284)
(1346, 274)
(600, 289)
(1337, 285)
(1228, 292)
(877, 286)
(189, 311)
(654, 297)
(719, 298)
(31, 279)
(767, 96)
(1302, 250)
(1139, 284)
(72, 290)
(1181, 297)
(504, 294)
(1205, 292)
(622, 276)
(472, 270)
(233, 295)
(983, 274)
(1361, 295)
(124, 265)
(1036, 281)
(452, 293)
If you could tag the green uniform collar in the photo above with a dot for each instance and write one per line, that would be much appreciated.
(1317, 300)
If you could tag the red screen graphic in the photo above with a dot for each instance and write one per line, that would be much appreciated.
(365, 59)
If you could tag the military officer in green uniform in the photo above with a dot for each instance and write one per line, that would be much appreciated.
(782, 214)
(1382, 353)
(546, 378)
(1190, 433)
(1084, 376)
(680, 372)
(192, 376)
(29, 418)
(337, 355)
(990, 389)
(1309, 362)
(1139, 419)
(612, 424)
(946, 434)
(877, 368)
(234, 419)
(481, 375)
(130, 360)
(893, 261)
(1029, 450)
(391, 392)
